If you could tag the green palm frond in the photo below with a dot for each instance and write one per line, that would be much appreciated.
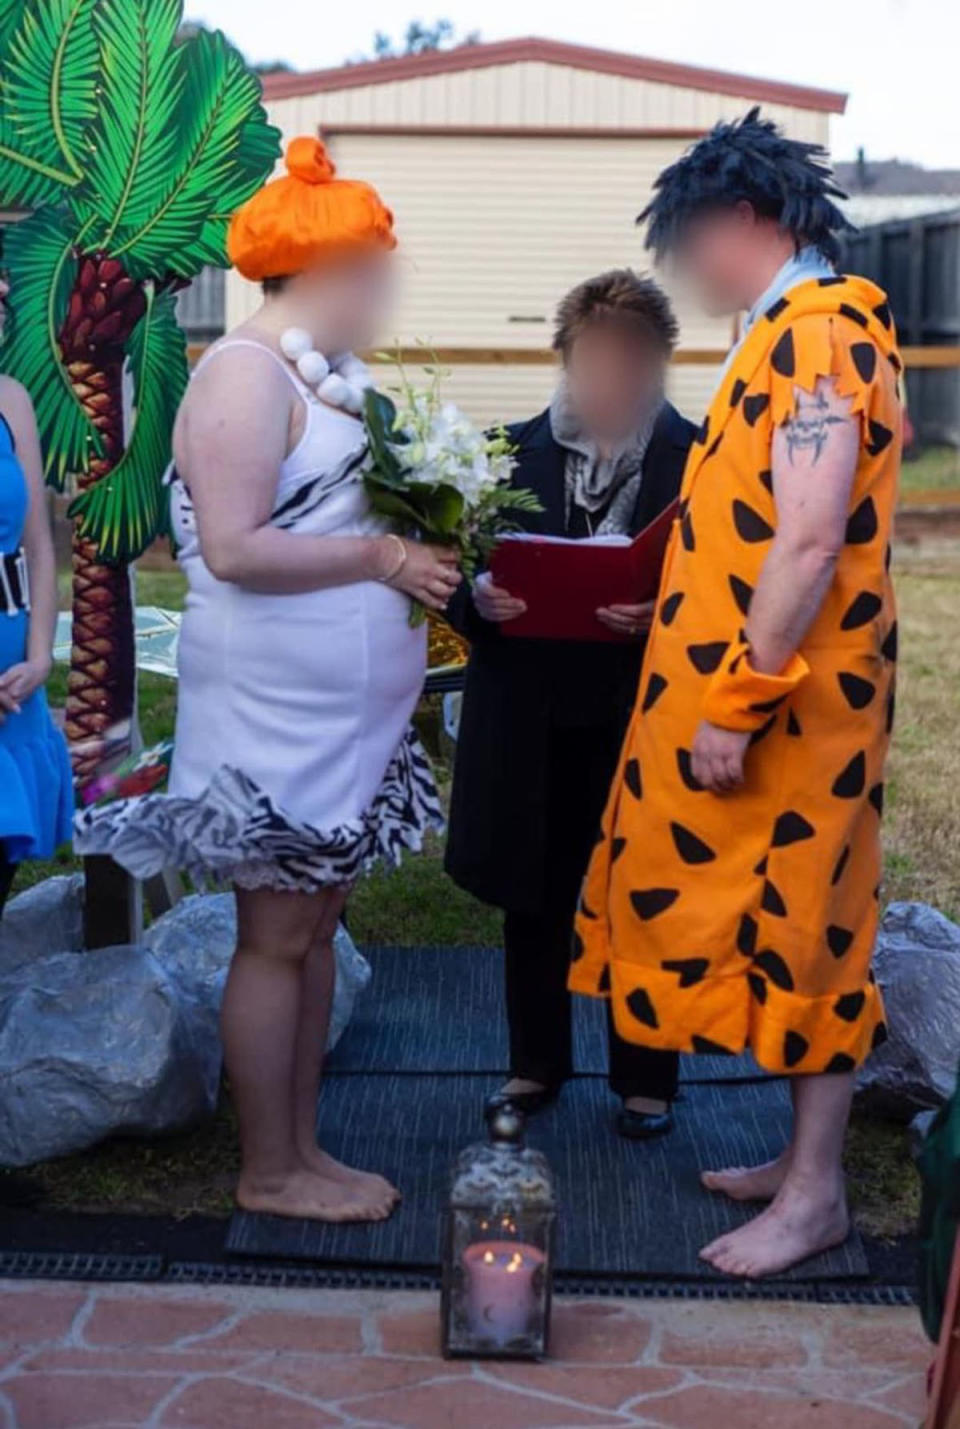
(225, 150)
(40, 250)
(49, 83)
(123, 512)
(135, 141)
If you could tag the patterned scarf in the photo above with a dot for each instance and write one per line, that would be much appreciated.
(592, 481)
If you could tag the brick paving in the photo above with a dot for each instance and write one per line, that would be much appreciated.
(168, 1357)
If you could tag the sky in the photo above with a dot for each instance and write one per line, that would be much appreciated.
(897, 59)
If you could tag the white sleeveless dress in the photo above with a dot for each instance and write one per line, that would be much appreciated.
(295, 765)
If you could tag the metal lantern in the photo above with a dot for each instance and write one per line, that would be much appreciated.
(498, 1256)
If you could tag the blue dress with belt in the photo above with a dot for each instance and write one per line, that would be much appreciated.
(36, 784)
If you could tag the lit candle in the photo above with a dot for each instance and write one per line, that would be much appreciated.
(499, 1296)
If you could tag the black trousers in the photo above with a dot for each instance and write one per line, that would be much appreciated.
(7, 871)
(537, 945)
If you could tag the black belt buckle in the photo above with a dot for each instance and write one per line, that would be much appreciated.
(14, 583)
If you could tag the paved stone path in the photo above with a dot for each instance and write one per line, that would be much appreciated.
(155, 1357)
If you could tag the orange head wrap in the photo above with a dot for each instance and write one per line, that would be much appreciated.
(297, 221)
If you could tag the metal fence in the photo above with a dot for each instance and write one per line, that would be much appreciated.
(917, 262)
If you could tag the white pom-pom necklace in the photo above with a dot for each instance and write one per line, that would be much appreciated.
(340, 381)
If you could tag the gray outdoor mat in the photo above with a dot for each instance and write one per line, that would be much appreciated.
(626, 1209)
(440, 1009)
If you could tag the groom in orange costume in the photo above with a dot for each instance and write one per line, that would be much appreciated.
(732, 900)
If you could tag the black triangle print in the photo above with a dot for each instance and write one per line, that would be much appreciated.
(747, 936)
(775, 309)
(750, 524)
(691, 848)
(577, 949)
(876, 797)
(790, 828)
(857, 691)
(706, 658)
(642, 1008)
(704, 432)
(889, 647)
(650, 902)
(895, 363)
(771, 902)
(850, 1005)
(887, 557)
(584, 911)
(882, 311)
(761, 867)
(880, 437)
(763, 731)
(686, 533)
(766, 479)
(880, 1035)
(840, 1062)
(655, 688)
(891, 710)
(737, 391)
(758, 986)
(841, 864)
(632, 779)
(783, 358)
(685, 767)
(864, 356)
(793, 725)
(775, 968)
(616, 848)
(862, 526)
(765, 706)
(691, 970)
(706, 1047)
(832, 281)
(795, 1048)
(838, 940)
(603, 985)
(854, 314)
(712, 450)
(861, 611)
(742, 593)
(850, 783)
(754, 407)
(670, 607)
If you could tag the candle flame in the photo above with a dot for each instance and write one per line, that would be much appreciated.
(489, 1257)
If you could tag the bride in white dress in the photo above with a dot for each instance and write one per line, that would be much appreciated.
(295, 766)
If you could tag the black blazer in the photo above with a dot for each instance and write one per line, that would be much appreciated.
(516, 690)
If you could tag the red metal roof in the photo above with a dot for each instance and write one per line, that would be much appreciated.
(499, 52)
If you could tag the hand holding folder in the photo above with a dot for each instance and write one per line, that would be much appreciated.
(564, 583)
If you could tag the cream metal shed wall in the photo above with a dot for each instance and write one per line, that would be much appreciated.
(510, 182)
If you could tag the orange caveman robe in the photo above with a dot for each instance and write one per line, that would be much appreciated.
(716, 922)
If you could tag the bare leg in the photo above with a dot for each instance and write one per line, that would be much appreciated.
(809, 1212)
(261, 1009)
(316, 998)
(755, 1183)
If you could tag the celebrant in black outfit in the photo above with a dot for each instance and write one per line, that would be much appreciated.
(542, 721)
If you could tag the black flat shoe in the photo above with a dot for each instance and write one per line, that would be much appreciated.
(529, 1103)
(643, 1125)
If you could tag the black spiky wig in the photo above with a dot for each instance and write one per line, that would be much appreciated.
(749, 160)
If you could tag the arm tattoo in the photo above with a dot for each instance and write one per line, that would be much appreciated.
(809, 429)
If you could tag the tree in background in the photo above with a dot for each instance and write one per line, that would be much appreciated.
(418, 38)
(128, 147)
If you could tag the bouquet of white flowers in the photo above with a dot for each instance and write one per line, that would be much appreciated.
(437, 477)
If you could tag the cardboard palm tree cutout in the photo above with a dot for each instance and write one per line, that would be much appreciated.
(129, 149)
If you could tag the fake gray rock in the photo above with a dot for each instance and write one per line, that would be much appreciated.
(122, 1040)
(917, 964)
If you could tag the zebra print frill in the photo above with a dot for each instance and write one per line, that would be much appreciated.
(235, 833)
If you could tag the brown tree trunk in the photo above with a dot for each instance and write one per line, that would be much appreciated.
(101, 689)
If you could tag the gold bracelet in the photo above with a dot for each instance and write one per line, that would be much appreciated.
(392, 575)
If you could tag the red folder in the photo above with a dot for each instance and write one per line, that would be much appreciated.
(564, 583)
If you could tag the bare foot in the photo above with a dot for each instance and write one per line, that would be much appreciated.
(749, 1183)
(307, 1195)
(801, 1221)
(367, 1183)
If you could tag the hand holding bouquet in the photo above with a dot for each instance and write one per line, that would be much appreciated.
(437, 477)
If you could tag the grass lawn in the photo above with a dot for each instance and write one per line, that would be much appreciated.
(194, 1171)
(935, 469)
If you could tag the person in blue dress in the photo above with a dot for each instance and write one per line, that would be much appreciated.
(36, 784)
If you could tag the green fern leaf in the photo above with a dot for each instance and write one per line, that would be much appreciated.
(225, 150)
(40, 250)
(49, 73)
(127, 509)
(135, 141)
